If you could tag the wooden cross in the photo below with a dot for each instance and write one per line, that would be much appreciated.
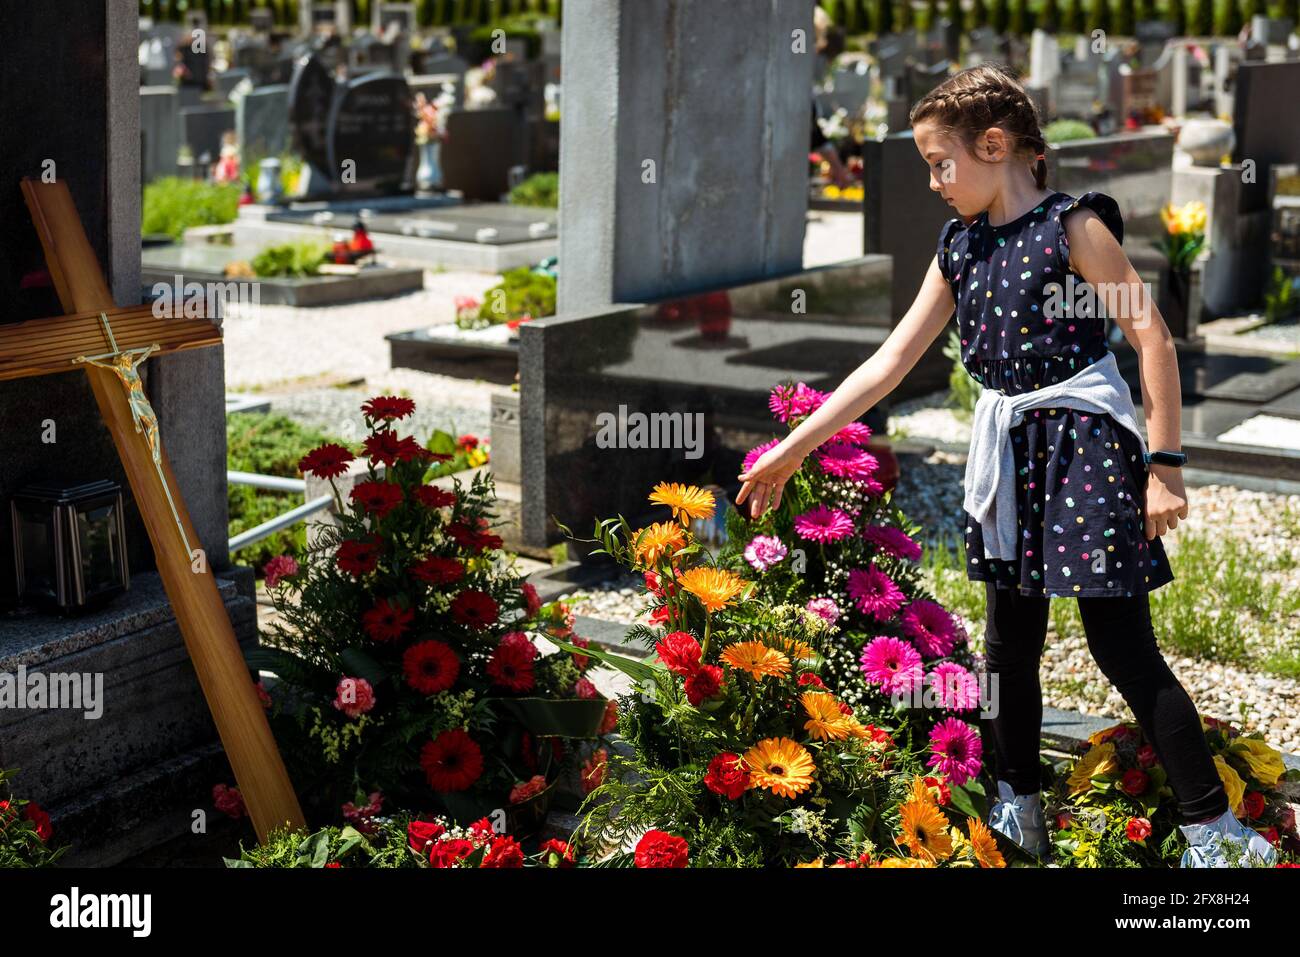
(109, 344)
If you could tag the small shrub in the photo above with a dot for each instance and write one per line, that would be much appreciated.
(173, 205)
(541, 189)
(294, 260)
(1063, 131)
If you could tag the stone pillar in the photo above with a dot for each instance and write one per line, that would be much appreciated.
(683, 151)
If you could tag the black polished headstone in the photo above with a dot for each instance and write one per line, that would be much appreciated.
(311, 96)
(371, 125)
(1266, 122)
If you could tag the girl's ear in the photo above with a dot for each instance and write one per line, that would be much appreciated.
(992, 144)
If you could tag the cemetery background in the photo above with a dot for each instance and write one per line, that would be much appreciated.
(289, 95)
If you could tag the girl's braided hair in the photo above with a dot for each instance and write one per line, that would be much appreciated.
(970, 102)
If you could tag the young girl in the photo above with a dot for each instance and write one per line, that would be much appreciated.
(1060, 500)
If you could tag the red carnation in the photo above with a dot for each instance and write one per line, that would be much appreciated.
(420, 835)
(452, 761)
(388, 407)
(511, 667)
(504, 851)
(610, 721)
(1147, 756)
(1254, 804)
(808, 678)
(527, 790)
(387, 620)
(437, 570)
(354, 696)
(555, 853)
(227, 800)
(703, 684)
(583, 688)
(578, 659)
(1137, 829)
(728, 775)
(944, 794)
(659, 616)
(383, 446)
(532, 601)
(36, 814)
(660, 849)
(680, 652)
(593, 770)
(377, 498)
(467, 442)
(520, 639)
(474, 608)
(1134, 782)
(329, 461)
(430, 496)
(449, 853)
(356, 557)
(430, 666)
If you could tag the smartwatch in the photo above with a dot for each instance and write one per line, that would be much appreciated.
(1164, 457)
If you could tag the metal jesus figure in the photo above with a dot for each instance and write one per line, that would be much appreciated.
(126, 365)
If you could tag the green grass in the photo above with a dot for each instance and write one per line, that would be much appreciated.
(172, 205)
(944, 564)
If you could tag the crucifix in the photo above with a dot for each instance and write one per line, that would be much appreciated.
(131, 335)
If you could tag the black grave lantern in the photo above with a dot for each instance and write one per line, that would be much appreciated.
(69, 544)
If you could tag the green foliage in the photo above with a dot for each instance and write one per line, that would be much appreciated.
(520, 293)
(342, 846)
(266, 445)
(1099, 17)
(1072, 17)
(952, 10)
(1176, 12)
(21, 845)
(291, 260)
(1125, 17)
(540, 189)
(1281, 301)
(979, 15)
(882, 17)
(1021, 21)
(999, 15)
(1227, 17)
(173, 205)
(1049, 16)
(928, 17)
(1063, 131)
(1200, 21)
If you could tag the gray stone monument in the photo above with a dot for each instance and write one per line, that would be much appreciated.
(262, 121)
(160, 132)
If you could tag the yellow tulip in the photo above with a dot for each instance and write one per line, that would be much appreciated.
(1265, 763)
(1232, 783)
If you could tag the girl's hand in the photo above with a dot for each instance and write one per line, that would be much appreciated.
(768, 477)
(1166, 500)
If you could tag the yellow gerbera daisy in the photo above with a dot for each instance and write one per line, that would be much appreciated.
(1098, 762)
(756, 659)
(984, 846)
(925, 830)
(781, 765)
(686, 501)
(659, 539)
(714, 587)
(816, 863)
(1100, 737)
(903, 862)
(1265, 763)
(826, 722)
(799, 650)
(1232, 783)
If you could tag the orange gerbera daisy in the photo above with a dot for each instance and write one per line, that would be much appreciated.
(903, 862)
(659, 539)
(799, 650)
(983, 844)
(756, 659)
(826, 722)
(714, 587)
(781, 765)
(925, 829)
(686, 501)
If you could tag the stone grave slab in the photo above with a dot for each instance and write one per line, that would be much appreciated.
(1263, 430)
(1286, 406)
(492, 224)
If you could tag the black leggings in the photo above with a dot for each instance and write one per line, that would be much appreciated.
(1123, 644)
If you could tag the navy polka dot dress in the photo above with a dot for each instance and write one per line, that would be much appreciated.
(1081, 481)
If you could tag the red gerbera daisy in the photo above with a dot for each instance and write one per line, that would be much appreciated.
(430, 666)
(377, 498)
(452, 761)
(430, 496)
(386, 620)
(329, 461)
(388, 407)
(474, 608)
(511, 667)
(437, 570)
(358, 556)
(383, 446)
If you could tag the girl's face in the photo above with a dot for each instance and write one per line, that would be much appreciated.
(967, 184)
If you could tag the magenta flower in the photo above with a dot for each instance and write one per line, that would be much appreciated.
(825, 609)
(794, 401)
(281, 566)
(891, 663)
(930, 626)
(958, 688)
(957, 750)
(764, 552)
(756, 453)
(875, 593)
(847, 461)
(855, 432)
(893, 541)
(822, 524)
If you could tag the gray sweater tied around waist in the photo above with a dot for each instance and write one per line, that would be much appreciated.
(990, 468)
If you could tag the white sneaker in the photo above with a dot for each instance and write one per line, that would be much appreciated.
(1225, 842)
(1019, 818)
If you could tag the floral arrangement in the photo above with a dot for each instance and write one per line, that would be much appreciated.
(402, 842)
(1184, 233)
(1113, 807)
(742, 752)
(412, 660)
(431, 117)
(25, 830)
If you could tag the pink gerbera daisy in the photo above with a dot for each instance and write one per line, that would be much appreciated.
(847, 461)
(875, 593)
(957, 750)
(958, 689)
(822, 524)
(756, 453)
(794, 401)
(930, 626)
(893, 541)
(855, 432)
(891, 663)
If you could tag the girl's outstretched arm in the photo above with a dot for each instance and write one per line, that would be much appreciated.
(1096, 255)
(876, 378)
